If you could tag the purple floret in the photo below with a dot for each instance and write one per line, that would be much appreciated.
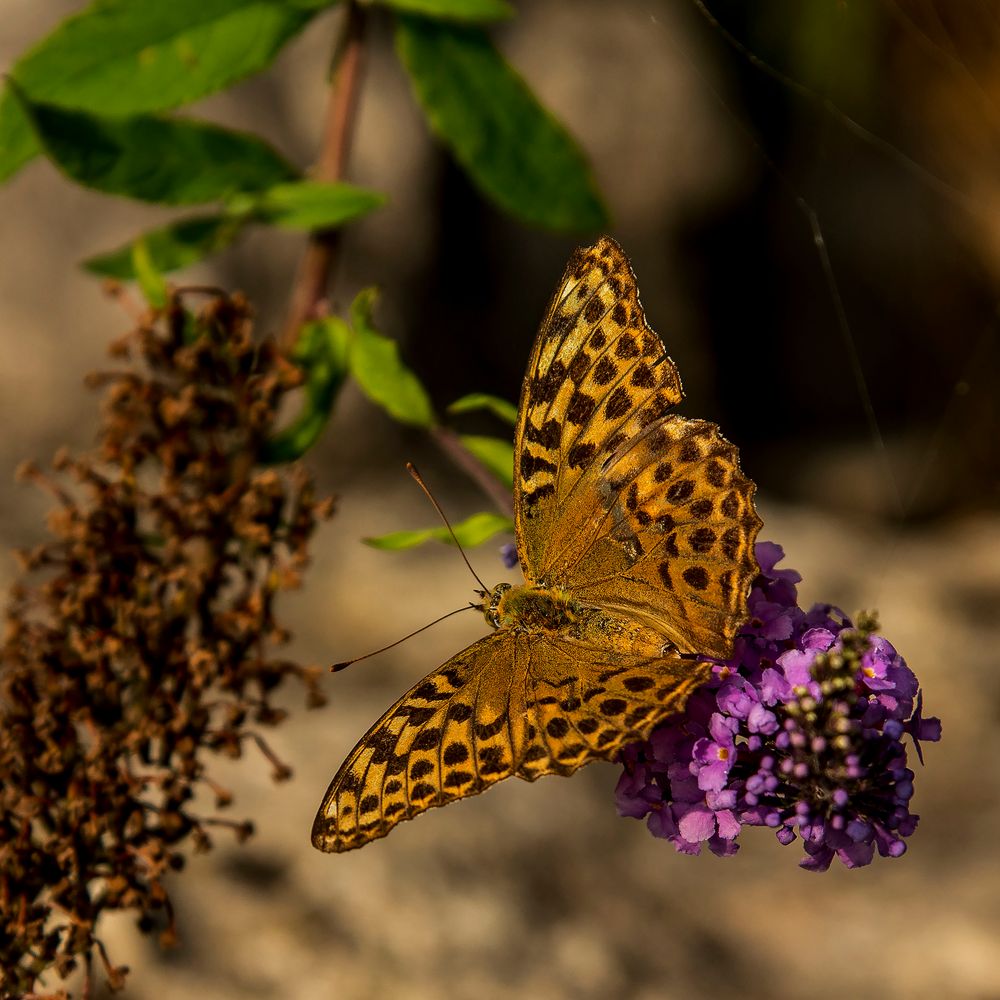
(801, 730)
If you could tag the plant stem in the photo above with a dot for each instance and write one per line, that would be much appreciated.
(448, 441)
(317, 262)
(310, 287)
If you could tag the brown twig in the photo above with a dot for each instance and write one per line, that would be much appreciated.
(450, 443)
(318, 260)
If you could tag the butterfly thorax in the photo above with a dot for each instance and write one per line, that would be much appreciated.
(553, 610)
(534, 609)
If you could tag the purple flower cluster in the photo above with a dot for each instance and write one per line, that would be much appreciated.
(801, 731)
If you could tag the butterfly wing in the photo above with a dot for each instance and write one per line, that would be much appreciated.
(626, 506)
(589, 699)
(616, 499)
(450, 736)
(511, 704)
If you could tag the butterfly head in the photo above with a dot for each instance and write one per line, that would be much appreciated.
(490, 603)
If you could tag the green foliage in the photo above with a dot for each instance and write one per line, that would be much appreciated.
(308, 204)
(321, 351)
(171, 248)
(171, 161)
(497, 454)
(86, 96)
(471, 532)
(512, 147)
(296, 205)
(483, 401)
(124, 57)
(154, 288)
(456, 10)
(378, 369)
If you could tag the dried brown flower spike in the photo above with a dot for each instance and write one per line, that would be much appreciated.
(140, 638)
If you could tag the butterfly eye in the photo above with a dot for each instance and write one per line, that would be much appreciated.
(668, 649)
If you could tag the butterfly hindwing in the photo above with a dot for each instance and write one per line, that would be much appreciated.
(674, 544)
(587, 700)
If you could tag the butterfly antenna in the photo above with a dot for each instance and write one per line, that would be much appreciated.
(375, 652)
(412, 470)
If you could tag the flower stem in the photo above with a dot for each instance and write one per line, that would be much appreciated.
(310, 287)
(321, 250)
(449, 442)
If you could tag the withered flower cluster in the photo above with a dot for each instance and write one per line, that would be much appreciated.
(140, 639)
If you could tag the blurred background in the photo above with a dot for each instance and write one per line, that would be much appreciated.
(861, 388)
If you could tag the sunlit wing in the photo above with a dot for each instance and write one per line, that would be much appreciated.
(625, 507)
(507, 705)
(616, 499)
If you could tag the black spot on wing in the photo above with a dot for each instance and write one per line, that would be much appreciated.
(696, 577)
(581, 406)
(547, 435)
(557, 727)
(530, 464)
(619, 403)
(455, 753)
(604, 372)
(427, 739)
(581, 454)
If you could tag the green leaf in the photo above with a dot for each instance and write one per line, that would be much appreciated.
(455, 10)
(125, 57)
(308, 204)
(471, 532)
(497, 454)
(483, 401)
(171, 248)
(305, 205)
(154, 288)
(512, 147)
(171, 161)
(380, 372)
(321, 350)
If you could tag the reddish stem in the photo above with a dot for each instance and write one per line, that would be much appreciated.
(450, 443)
(320, 254)
(310, 287)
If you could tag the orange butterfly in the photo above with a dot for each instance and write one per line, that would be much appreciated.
(635, 532)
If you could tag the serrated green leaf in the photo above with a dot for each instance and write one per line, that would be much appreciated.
(171, 248)
(154, 288)
(471, 532)
(382, 375)
(321, 351)
(455, 10)
(483, 401)
(497, 454)
(170, 161)
(308, 204)
(125, 57)
(514, 149)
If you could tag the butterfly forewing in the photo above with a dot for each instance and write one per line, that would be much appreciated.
(595, 368)
(506, 705)
(450, 736)
(617, 500)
